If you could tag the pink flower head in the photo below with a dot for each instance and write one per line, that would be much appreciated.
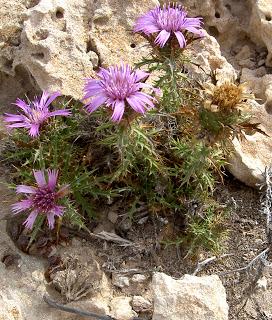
(168, 21)
(118, 87)
(34, 114)
(41, 199)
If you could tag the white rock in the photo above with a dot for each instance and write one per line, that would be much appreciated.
(190, 298)
(119, 280)
(260, 26)
(138, 278)
(262, 283)
(61, 42)
(207, 54)
(252, 153)
(121, 308)
(140, 304)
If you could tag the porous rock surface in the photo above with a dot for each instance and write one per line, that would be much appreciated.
(189, 298)
(252, 153)
(55, 44)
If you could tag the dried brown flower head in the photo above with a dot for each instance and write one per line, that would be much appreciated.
(227, 97)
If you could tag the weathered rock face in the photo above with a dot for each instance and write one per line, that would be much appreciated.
(189, 298)
(207, 54)
(252, 153)
(261, 27)
(121, 308)
(58, 43)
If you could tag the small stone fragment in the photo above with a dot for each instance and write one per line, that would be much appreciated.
(121, 308)
(244, 53)
(120, 281)
(189, 298)
(140, 304)
(93, 58)
(113, 217)
(262, 283)
(138, 278)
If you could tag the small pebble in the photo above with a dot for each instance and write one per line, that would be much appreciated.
(139, 278)
(120, 281)
(261, 62)
(113, 217)
(262, 283)
(140, 304)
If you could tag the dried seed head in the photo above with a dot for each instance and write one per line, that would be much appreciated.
(226, 97)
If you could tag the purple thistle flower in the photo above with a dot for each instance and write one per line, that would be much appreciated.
(34, 114)
(41, 199)
(168, 21)
(118, 87)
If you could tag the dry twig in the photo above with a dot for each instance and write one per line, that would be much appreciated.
(77, 311)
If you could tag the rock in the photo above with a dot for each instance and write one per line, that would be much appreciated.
(244, 53)
(119, 280)
(55, 44)
(138, 278)
(189, 298)
(94, 59)
(259, 82)
(17, 300)
(252, 153)
(113, 217)
(260, 26)
(140, 304)
(207, 54)
(260, 302)
(245, 57)
(247, 63)
(262, 283)
(121, 308)
(13, 81)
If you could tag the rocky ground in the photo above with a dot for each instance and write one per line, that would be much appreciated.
(53, 45)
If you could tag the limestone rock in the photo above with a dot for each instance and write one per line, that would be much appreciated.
(121, 308)
(140, 304)
(189, 298)
(14, 82)
(58, 43)
(206, 52)
(119, 280)
(261, 27)
(253, 152)
(259, 82)
(138, 278)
